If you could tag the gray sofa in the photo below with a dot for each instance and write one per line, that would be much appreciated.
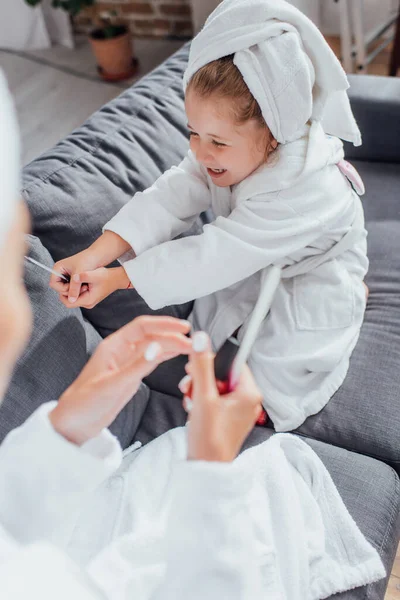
(73, 189)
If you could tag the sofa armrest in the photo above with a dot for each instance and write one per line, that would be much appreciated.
(376, 105)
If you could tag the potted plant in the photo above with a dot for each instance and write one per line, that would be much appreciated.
(110, 40)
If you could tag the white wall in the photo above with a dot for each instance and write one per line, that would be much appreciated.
(324, 13)
(200, 11)
(311, 8)
(202, 8)
(25, 28)
(374, 14)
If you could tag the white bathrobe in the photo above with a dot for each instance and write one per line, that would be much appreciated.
(290, 212)
(45, 481)
(275, 527)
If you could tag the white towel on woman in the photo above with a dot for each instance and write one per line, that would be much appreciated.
(286, 63)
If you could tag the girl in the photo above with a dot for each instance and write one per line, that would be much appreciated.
(263, 91)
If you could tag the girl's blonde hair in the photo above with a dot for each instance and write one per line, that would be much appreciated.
(222, 78)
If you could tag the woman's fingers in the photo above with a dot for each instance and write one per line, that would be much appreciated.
(185, 384)
(246, 392)
(115, 352)
(188, 368)
(188, 404)
(151, 326)
(202, 367)
(172, 344)
(169, 346)
(146, 357)
(246, 381)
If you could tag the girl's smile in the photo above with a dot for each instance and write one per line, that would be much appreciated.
(229, 151)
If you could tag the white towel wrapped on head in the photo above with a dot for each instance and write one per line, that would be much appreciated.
(286, 63)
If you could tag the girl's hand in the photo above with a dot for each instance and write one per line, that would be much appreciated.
(113, 375)
(83, 261)
(218, 425)
(96, 285)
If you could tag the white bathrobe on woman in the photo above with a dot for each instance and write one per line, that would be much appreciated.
(45, 481)
(290, 213)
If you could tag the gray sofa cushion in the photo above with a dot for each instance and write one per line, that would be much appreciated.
(58, 349)
(382, 180)
(75, 188)
(376, 103)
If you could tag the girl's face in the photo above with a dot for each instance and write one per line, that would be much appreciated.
(230, 152)
(15, 311)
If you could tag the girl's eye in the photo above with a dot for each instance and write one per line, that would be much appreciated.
(214, 142)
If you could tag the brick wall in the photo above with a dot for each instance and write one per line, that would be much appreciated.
(146, 18)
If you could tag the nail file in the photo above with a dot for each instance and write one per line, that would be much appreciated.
(35, 262)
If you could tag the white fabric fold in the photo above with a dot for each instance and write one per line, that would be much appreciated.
(286, 63)
(60, 477)
(41, 571)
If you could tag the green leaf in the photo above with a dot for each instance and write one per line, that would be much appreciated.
(73, 7)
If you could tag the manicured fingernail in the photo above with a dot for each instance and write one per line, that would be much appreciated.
(200, 341)
(76, 278)
(188, 323)
(152, 351)
(183, 383)
(72, 300)
(187, 404)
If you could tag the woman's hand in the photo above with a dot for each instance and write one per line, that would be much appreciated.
(96, 286)
(113, 375)
(218, 425)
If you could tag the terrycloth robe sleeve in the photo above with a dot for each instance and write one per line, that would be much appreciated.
(44, 479)
(41, 571)
(210, 540)
(164, 210)
(257, 233)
